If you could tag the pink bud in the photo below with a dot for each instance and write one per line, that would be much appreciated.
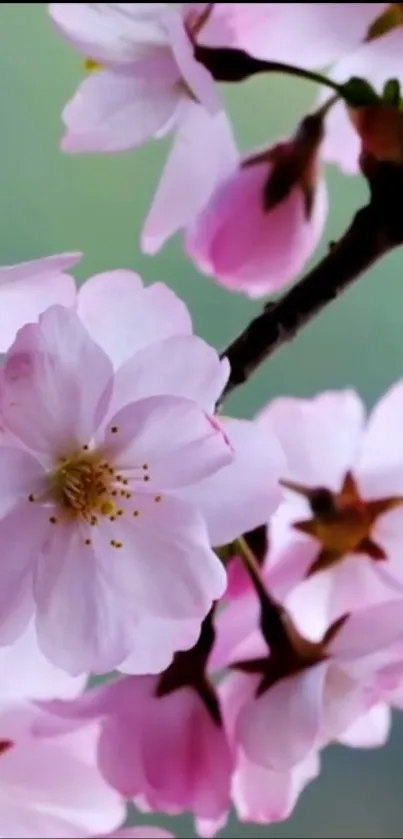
(255, 239)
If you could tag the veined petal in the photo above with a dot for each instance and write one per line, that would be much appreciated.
(186, 185)
(123, 316)
(55, 384)
(182, 365)
(247, 488)
(113, 113)
(166, 441)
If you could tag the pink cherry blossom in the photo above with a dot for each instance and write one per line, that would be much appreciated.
(302, 709)
(167, 751)
(74, 576)
(29, 288)
(248, 247)
(51, 786)
(376, 61)
(129, 320)
(113, 491)
(149, 84)
(330, 447)
(306, 34)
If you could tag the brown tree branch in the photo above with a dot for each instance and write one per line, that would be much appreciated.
(376, 229)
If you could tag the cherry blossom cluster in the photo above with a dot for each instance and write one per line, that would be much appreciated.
(239, 581)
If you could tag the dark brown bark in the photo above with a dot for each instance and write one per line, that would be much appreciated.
(376, 229)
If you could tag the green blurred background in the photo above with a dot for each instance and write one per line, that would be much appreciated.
(50, 203)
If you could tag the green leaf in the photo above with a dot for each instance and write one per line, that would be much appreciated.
(359, 93)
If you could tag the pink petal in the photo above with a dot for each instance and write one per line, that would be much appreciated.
(111, 33)
(183, 365)
(22, 534)
(263, 796)
(51, 790)
(381, 462)
(177, 441)
(369, 731)
(314, 34)
(26, 673)
(368, 631)
(279, 729)
(247, 248)
(376, 61)
(56, 383)
(310, 604)
(187, 759)
(179, 758)
(113, 113)
(320, 437)
(186, 186)
(347, 697)
(29, 288)
(80, 622)
(148, 653)
(195, 75)
(247, 489)
(165, 567)
(123, 316)
(20, 475)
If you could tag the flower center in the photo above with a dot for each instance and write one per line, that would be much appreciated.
(342, 522)
(84, 485)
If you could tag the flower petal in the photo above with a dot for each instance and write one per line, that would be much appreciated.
(313, 34)
(56, 383)
(263, 796)
(369, 631)
(155, 641)
(381, 462)
(247, 489)
(320, 437)
(29, 288)
(279, 729)
(165, 566)
(123, 316)
(80, 622)
(26, 673)
(182, 365)
(370, 731)
(195, 75)
(113, 113)
(166, 441)
(186, 186)
(52, 787)
(111, 33)
(20, 475)
(22, 533)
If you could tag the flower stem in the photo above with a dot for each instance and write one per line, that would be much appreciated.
(227, 64)
(273, 617)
